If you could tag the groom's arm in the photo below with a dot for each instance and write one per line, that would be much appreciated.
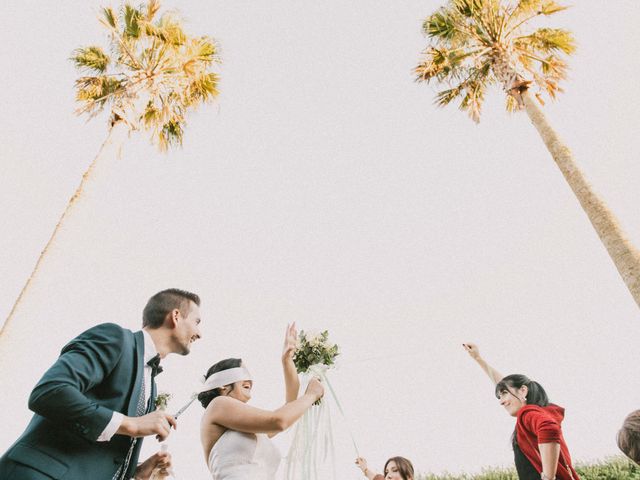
(84, 363)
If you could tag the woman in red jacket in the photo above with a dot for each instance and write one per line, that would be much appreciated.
(539, 449)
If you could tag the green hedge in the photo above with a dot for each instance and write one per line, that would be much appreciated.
(615, 468)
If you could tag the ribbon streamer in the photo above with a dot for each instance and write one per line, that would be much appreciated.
(313, 437)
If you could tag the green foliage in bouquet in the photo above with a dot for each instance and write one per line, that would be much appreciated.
(314, 350)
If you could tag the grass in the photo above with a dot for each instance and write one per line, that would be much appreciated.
(614, 468)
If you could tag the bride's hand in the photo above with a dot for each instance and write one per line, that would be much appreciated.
(315, 388)
(290, 342)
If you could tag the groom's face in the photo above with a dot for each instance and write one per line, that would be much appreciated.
(188, 328)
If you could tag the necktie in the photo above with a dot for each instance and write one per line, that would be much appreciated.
(141, 409)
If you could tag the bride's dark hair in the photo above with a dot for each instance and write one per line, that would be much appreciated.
(205, 397)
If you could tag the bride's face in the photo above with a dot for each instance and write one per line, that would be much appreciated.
(242, 390)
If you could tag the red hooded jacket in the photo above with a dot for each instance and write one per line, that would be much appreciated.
(537, 425)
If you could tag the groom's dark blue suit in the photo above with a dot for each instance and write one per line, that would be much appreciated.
(97, 373)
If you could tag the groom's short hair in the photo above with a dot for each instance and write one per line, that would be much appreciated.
(164, 302)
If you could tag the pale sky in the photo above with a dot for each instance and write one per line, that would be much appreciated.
(324, 187)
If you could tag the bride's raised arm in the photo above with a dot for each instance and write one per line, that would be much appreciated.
(291, 380)
(236, 415)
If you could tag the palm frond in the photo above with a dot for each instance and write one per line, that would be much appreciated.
(171, 135)
(445, 97)
(152, 30)
(441, 63)
(151, 116)
(549, 8)
(512, 104)
(472, 101)
(530, 10)
(205, 50)
(131, 17)
(108, 17)
(171, 30)
(203, 88)
(527, 8)
(91, 58)
(94, 92)
(554, 67)
(152, 9)
(430, 65)
(491, 18)
(548, 40)
(468, 8)
(441, 25)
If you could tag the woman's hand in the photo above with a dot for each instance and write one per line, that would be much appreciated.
(315, 389)
(362, 464)
(472, 349)
(474, 352)
(290, 342)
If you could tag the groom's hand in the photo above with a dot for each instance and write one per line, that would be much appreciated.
(161, 460)
(156, 423)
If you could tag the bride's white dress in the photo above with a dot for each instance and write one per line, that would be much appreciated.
(244, 456)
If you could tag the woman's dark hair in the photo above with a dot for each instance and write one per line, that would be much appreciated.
(629, 436)
(205, 397)
(536, 394)
(405, 468)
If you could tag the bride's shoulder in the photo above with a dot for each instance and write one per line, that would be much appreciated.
(222, 403)
(222, 408)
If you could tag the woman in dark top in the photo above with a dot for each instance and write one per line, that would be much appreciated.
(539, 449)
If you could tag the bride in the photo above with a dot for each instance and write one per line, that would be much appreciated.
(235, 436)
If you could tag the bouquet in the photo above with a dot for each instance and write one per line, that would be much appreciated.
(315, 354)
(313, 437)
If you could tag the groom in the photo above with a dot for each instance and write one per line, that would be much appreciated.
(97, 400)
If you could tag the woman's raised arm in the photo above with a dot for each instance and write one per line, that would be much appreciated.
(474, 352)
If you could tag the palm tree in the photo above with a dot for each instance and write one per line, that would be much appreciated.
(475, 44)
(153, 75)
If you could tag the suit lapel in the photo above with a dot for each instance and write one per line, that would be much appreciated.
(139, 369)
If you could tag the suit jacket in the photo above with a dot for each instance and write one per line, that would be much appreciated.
(97, 373)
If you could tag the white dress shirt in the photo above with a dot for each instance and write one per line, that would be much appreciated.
(117, 417)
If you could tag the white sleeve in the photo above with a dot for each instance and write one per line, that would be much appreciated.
(112, 427)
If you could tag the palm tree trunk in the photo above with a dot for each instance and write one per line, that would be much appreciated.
(111, 146)
(624, 255)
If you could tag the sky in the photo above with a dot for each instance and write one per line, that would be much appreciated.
(324, 187)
